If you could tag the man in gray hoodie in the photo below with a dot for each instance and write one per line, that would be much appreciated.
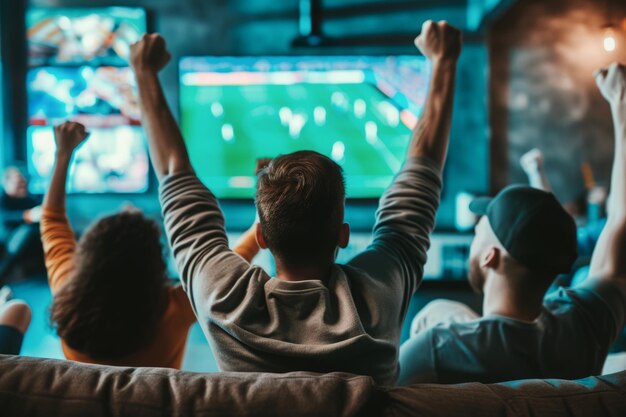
(314, 315)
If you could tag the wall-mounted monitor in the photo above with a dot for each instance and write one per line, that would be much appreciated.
(112, 160)
(358, 110)
(78, 60)
(98, 97)
(77, 36)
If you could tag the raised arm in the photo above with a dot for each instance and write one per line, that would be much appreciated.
(532, 164)
(56, 235)
(406, 213)
(441, 44)
(193, 220)
(67, 136)
(165, 142)
(609, 257)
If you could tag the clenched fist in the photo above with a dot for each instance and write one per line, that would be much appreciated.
(149, 54)
(532, 161)
(68, 136)
(612, 83)
(439, 41)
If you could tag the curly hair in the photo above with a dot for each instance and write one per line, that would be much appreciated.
(111, 304)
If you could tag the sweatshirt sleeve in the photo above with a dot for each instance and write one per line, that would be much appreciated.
(59, 245)
(195, 229)
(404, 221)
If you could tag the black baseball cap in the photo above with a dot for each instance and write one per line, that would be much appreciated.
(532, 226)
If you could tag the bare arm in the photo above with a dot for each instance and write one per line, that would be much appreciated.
(609, 257)
(539, 180)
(165, 142)
(441, 43)
(406, 213)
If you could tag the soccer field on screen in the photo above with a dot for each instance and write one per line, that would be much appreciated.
(231, 119)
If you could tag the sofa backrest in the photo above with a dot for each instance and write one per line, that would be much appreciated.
(593, 396)
(44, 387)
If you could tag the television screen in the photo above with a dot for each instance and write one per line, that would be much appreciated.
(99, 97)
(358, 110)
(112, 160)
(99, 36)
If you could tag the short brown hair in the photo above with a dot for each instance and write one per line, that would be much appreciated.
(300, 199)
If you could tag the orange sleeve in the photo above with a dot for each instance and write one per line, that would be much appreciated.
(183, 305)
(59, 245)
(247, 246)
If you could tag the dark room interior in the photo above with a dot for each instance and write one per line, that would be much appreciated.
(530, 104)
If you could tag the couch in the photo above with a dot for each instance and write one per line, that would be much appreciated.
(44, 387)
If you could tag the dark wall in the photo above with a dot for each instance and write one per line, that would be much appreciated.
(543, 94)
(12, 100)
(258, 27)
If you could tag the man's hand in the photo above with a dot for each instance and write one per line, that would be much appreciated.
(439, 42)
(68, 136)
(612, 83)
(532, 164)
(149, 54)
(532, 161)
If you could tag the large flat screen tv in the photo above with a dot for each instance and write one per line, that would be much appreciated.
(75, 36)
(358, 110)
(112, 160)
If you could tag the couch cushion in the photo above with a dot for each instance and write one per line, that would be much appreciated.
(593, 396)
(43, 387)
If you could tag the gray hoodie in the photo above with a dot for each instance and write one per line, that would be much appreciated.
(350, 321)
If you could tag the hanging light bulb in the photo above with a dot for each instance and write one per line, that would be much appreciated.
(609, 40)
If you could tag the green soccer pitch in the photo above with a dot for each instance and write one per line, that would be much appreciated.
(227, 128)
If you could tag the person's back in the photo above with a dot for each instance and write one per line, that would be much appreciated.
(314, 315)
(524, 239)
(569, 340)
(111, 302)
(347, 318)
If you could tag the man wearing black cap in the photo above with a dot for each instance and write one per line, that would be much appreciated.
(523, 241)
